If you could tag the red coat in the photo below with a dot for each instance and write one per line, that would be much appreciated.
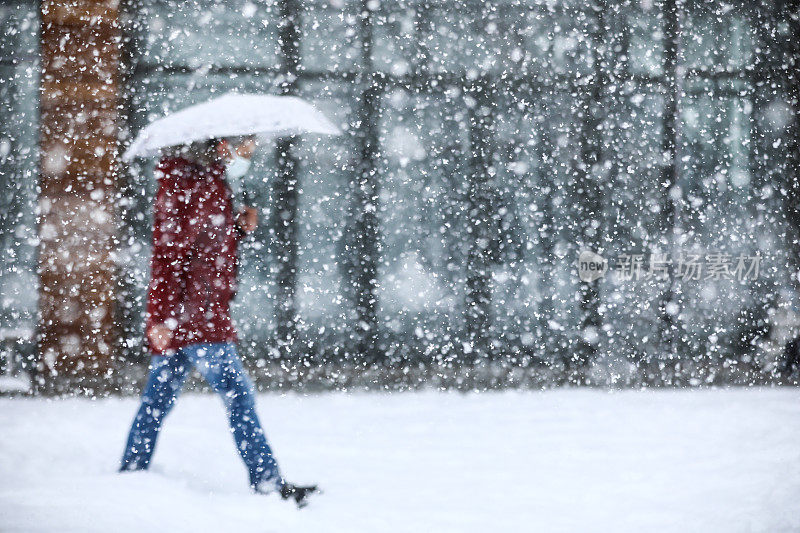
(193, 274)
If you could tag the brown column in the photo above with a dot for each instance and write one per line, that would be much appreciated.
(78, 170)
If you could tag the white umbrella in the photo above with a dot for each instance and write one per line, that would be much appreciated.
(231, 115)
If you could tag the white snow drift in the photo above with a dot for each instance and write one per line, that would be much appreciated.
(561, 460)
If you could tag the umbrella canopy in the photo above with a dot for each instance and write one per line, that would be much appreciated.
(231, 115)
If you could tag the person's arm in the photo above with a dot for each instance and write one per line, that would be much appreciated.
(170, 252)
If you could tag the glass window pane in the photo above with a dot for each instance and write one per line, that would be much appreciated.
(643, 28)
(715, 39)
(229, 33)
(323, 178)
(19, 137)
(423, 186)
(329, 35)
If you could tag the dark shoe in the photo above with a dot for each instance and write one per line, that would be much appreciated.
(298, 494)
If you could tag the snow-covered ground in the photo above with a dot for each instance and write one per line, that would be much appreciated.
(561, 460)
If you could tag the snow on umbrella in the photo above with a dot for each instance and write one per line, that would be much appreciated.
(231, 115)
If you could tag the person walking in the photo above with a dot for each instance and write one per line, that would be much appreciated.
(188, 324)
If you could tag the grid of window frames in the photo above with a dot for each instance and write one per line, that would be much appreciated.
(466, 127)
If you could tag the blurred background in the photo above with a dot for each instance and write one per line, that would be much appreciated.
(436, 242)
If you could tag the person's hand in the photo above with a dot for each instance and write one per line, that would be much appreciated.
(247, 219)
(159, 336)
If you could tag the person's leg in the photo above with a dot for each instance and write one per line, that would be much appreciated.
(167, 374)
(221, 367)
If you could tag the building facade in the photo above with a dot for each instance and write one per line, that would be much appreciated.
(485, 144)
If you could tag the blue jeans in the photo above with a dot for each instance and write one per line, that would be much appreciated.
(221, 367)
